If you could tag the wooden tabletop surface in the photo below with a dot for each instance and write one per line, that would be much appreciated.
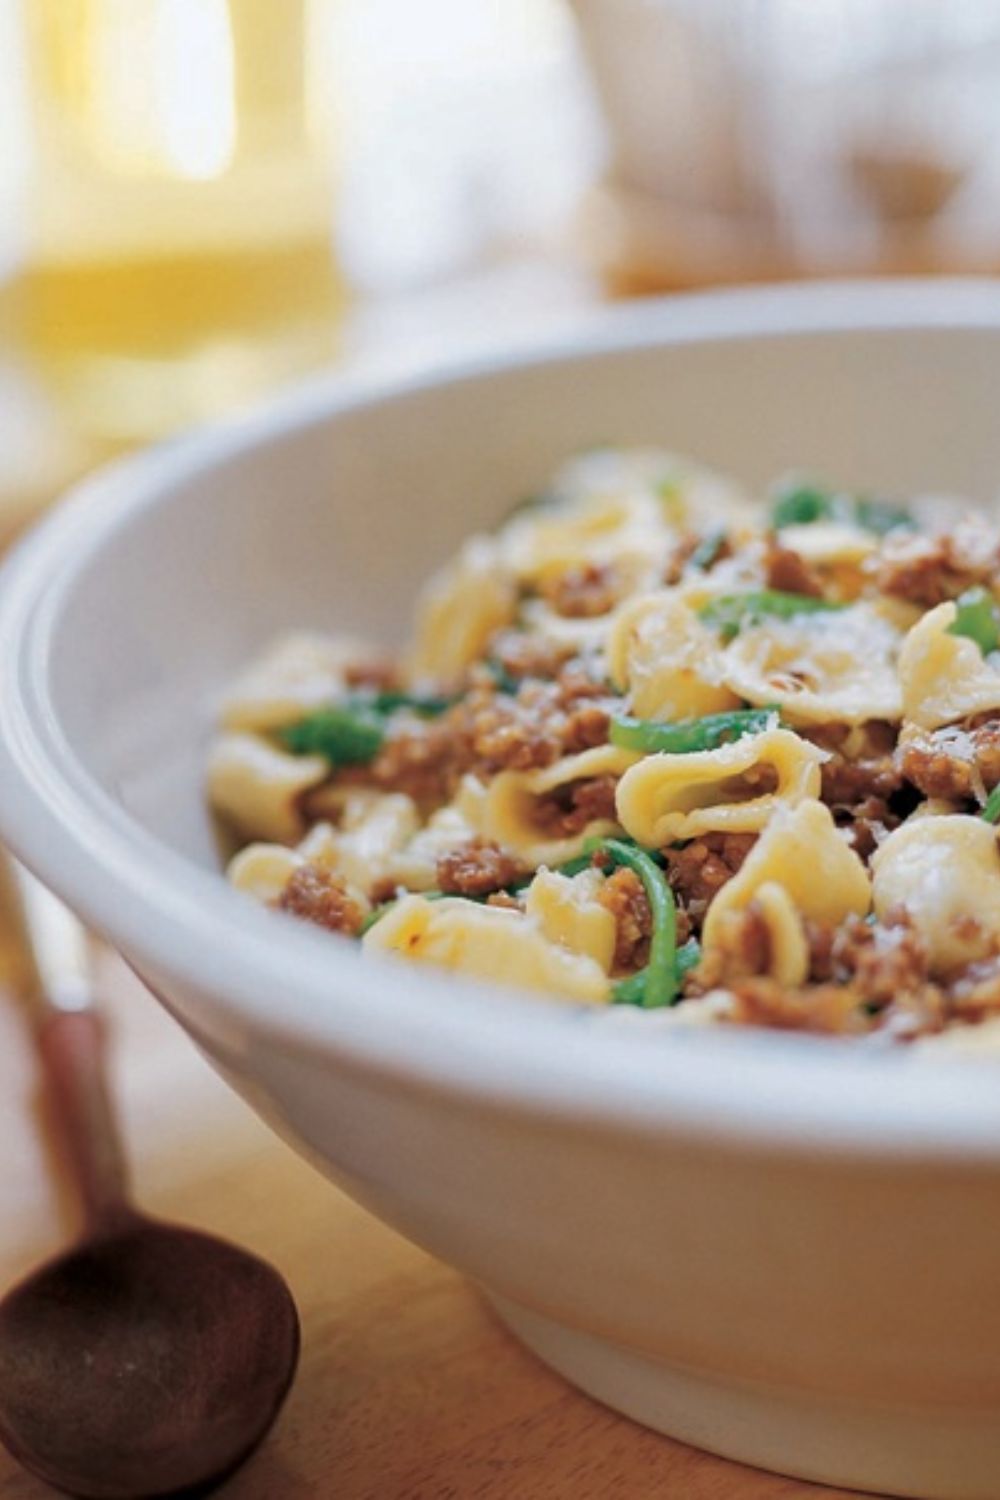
(408, 1389)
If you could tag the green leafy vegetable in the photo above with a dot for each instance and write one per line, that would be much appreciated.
(347, 734)
(505, 683)
(977, 617)
(632, 991)
(882, 516)
(708, 549)
(729, 613)
(351, 732)
(429, 705)
(801, 504)
(684, 736)
(991, 810)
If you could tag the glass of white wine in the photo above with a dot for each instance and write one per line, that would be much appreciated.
(179, 255)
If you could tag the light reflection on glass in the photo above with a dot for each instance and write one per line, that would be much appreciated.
(193, 86)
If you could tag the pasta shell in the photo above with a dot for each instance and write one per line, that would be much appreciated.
(830, 666)
(299, 673)
(802, 852)
(507, 809)
(460, 609)
(263, 870)
(669, 797)
(944, 677)
(257, 788)
(491, 943)
(661, 654)
(945, 873)
(568, 912)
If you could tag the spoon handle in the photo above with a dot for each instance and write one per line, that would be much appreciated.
(72, 1049)
(71, 1045)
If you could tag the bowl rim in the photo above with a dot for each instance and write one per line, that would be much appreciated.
(438, 1032)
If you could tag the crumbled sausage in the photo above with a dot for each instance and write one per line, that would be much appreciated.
(522, 655)
(583, 591)
(700, 869)
(862, 977)
(423, 758)
(974, 991)
(624, 896)
(317, 895)
(487, 732)
(476, 868)
(823, 1008)
(377, 675)
(883, 960)
(788, 570)
(568, 810)
(861, 761)
(955, 762)
(926, 570)
(866, 824)
(837, 1010)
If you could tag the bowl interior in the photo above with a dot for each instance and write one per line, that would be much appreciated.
(329, 513)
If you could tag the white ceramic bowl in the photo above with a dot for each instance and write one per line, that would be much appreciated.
(783, 1249)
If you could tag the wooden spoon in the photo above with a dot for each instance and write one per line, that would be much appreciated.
(149, 1360)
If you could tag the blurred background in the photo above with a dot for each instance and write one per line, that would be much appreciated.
(203, 200)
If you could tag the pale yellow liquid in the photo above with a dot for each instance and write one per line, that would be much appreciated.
(180, 255)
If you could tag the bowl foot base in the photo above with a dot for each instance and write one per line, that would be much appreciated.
(924, 1455)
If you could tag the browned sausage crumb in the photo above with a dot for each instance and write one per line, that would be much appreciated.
(863, 977)
(488, 732)
(317, 895)
(378, 675)
(624, 896)
(476, 869)
(975, 990)
(926, 570)
(699, 870)
(953, 762)
(522, 655)
(569, 809)
(788, 570)
(583, 591)
(827, 1009)
(862, 762)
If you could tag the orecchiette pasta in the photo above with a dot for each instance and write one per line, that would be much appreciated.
(944, 676)
(630, 530)
(511, 808)
(801, 852)
(298, 673)
(715, 760)
(835, 665)
(460, 610)
(264, 870)
(665, 660)
(733, 789)
(504, 946)
(258, 787)
(944, 872)
(569, 912)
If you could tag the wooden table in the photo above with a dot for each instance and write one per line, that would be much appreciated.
(408, 1389)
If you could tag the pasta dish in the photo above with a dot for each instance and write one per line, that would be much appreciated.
(657, 744)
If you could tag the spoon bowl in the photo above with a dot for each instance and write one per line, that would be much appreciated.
(190, 1342)
(148, 1360)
